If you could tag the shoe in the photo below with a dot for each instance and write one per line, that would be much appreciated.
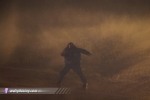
(85, 85)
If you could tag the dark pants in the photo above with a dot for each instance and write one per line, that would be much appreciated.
(76, 68)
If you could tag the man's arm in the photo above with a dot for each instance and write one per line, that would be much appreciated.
(83, 51)
(63, 52)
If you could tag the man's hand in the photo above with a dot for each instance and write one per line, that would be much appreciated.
(88, 53)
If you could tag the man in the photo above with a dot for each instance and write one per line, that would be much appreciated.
(72, 56)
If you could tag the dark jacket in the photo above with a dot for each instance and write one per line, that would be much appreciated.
(73, 55)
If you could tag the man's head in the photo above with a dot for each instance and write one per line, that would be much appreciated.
(71, 45)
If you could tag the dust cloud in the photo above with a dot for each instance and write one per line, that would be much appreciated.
(37, 37)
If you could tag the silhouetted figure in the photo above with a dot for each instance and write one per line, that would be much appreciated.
(72, 56)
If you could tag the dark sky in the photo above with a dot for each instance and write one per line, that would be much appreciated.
(40, 11)
(115, 6)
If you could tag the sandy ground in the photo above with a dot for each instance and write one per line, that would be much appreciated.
(100, 88)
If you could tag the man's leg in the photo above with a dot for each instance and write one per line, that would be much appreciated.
(81, 75)
(64, 71)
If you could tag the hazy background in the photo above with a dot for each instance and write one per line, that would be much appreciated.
(33, 33)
